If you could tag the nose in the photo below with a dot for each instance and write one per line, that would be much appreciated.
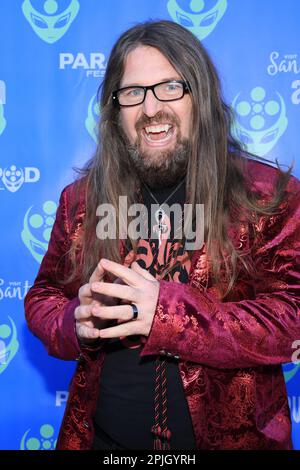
(151, 105)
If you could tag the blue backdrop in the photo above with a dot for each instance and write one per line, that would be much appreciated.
(53, 56)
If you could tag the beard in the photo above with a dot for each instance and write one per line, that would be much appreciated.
(159, 168)
(166, 168)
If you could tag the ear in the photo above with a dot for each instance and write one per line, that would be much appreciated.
(143, 272)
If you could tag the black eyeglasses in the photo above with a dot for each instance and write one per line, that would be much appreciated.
(164, 91)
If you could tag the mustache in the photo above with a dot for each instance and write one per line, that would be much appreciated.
(160, 118)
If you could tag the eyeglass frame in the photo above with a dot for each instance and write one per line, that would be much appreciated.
(186, 89)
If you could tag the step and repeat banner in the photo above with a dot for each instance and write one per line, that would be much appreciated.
(53, 55)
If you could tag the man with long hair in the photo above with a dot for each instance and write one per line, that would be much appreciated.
(177, 348)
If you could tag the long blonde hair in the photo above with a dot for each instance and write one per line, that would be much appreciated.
(215, 167)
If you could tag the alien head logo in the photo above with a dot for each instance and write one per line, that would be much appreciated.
(198, 16)
(13, 178)
(91, 122)
(43, 440)
(261, 119)
(2, 103)
(50, 19)
(37, 229)
(9, 344)
(290, 370)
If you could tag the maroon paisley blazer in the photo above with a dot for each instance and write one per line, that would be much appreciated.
(229, 352)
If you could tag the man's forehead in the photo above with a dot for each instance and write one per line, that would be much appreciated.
(146, 65)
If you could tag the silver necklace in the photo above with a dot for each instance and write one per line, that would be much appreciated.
(160, 215)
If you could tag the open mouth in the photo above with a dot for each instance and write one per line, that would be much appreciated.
(159, 133)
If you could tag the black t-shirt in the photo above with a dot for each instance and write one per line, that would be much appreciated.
(125, 408)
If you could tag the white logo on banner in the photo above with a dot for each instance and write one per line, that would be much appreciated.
(61, 397)
(94, 64)
(287, 63)
(13, 289)
(13, 177)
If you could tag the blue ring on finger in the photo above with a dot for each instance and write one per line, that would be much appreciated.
(134, 311)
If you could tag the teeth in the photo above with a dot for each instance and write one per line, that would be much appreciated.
(159, 128)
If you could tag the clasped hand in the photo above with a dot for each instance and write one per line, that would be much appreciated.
(137, 286)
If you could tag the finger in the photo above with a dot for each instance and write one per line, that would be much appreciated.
(123, 312)
(88, 323)
(124, 329)
(83, 312)
(114, 290)
(143, 272)
(128, 275)
(121, 321)
(98, 273)
(85, 332)
(101, 299)
(85, 291)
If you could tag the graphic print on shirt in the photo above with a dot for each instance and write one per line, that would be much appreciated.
(155, 255)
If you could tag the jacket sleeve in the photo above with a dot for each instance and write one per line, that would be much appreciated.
(49, 310)
(196, 326)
